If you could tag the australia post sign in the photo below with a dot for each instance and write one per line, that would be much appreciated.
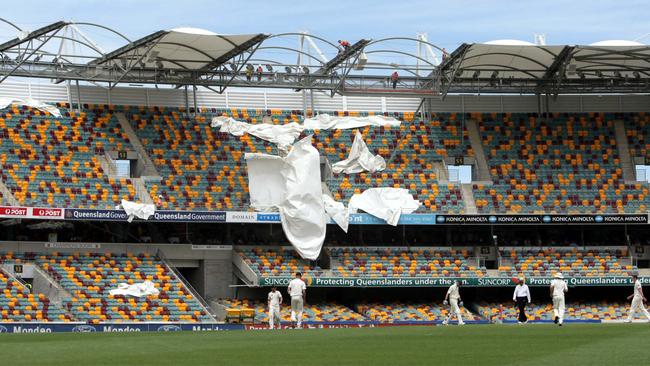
(445, 281)
(15, 212)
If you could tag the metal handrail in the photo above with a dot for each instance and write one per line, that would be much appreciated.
(192, 290)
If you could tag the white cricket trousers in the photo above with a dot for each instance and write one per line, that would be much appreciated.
(274, 317)
(558, 307)
(454, 309)
(296, 310)
(637, 304)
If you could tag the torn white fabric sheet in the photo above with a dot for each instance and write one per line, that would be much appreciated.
(303, 214)
(282, 135)
(266, 185)
(5, 102)
(385, 203)
(326, 122)
(296, 185)
(360, 159)
(139, 210)
(337, 211)
(146, 288)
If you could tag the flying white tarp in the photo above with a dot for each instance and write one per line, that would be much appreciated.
(337, 211)
(266, 184)
(295, 188)
(146, 288)
(360, 159)
(282, 135)
(326, 122)
(5, 102)
(139, 210)
(385, 203)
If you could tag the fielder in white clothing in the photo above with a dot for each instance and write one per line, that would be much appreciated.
(298, 292)
(453, 295)
(275, 299)
(638, 300)
(558, 289)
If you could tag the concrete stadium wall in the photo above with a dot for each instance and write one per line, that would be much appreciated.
(271, 99)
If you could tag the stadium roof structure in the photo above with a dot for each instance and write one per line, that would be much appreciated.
(534, 69)
(189, 57)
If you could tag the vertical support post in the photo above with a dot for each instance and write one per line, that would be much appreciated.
(187, 102)
(78, 96)
(69, 92)
(195, 102)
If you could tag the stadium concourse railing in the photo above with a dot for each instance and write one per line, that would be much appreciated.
(206, 307)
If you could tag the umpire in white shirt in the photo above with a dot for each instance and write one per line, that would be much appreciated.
(521, 297)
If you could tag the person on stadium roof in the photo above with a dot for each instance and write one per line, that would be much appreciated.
(521, 297)
(558, 289)
(394, 78)
(275, 299)
(345, 45)
(638, 300)
(298, 291)
(259, 73)
(249, 72)
(453, 295)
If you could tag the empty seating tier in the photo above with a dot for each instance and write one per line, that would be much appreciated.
(90, 277)
(18, 304)
(572, 262)
(395, 262)
(50, 161)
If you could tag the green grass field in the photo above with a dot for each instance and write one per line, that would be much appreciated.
(584, 344)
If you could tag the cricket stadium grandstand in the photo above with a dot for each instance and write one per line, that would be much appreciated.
(129, 200)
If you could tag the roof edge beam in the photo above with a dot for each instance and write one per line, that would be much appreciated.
(129, 47)
(35, 34)
(343, 56)
(237, 50)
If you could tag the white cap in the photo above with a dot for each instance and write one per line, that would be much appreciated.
(559, 275)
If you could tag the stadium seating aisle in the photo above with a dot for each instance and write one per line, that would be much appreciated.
(410, 312)
(90, 277)
(49, 161)
(324, 312)
(589, 311)
(565, 163)
(396, 262)
(572, 262)
(18, 304)
(278, 262)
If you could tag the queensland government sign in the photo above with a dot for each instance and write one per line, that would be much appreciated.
(445, 281)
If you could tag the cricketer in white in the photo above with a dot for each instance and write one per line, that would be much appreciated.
(638, 300)
(298, 291)
(275, 299)
(558, 289)
(453, 294)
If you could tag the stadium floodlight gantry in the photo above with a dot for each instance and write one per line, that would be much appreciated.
(189, 57)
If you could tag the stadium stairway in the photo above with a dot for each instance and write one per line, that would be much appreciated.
(624, 151)
(483, 172)
(7, 196)
(150, 168)
(468, 198)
